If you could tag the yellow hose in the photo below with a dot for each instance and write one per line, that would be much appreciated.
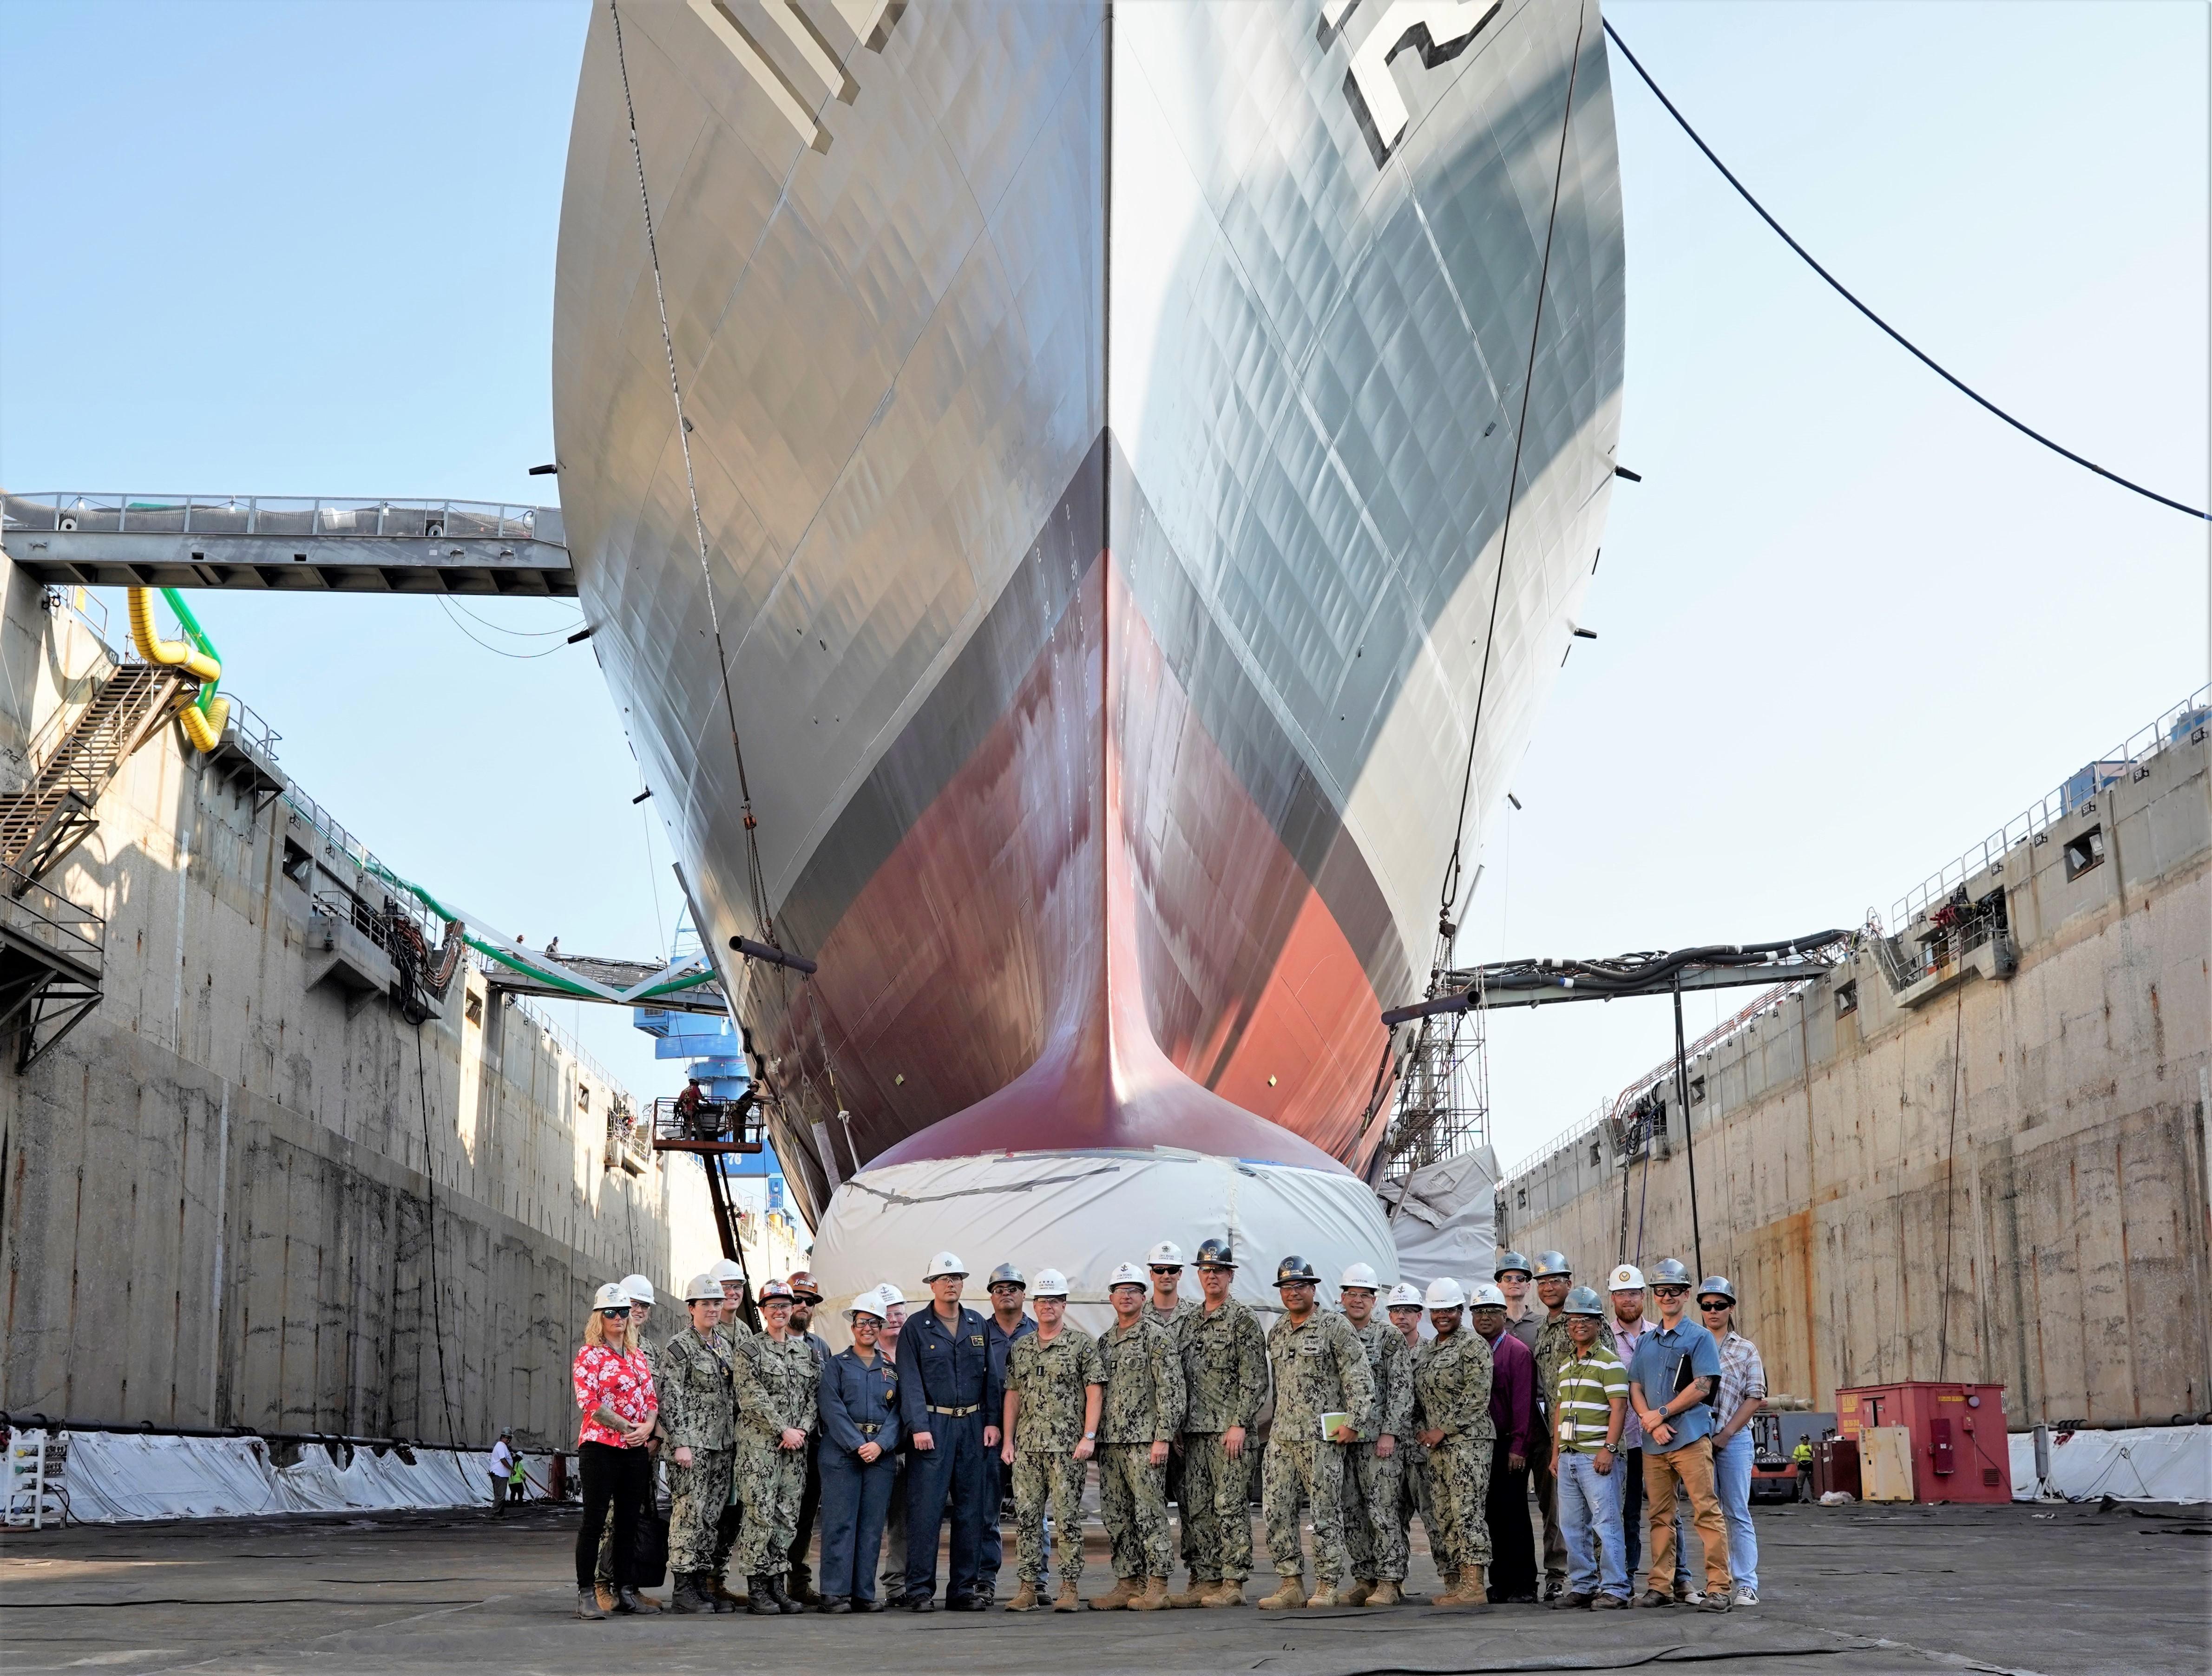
(155, 649)
(204, 727)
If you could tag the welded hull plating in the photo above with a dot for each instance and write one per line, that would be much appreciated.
(1103, 426)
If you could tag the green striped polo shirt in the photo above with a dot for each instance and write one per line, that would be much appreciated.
(1582, 1394)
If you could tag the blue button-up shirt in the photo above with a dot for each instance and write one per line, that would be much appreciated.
(942, 1367)
(1000, 1344)
(856, 1393)
(1659, 1370)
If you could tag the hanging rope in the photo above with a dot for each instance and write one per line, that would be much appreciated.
(1902, 341)
(755, 877)
(1449, 895)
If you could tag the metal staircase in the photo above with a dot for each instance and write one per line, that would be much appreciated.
(41, 824)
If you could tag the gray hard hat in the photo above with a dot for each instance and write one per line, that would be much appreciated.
(1510, 1262)
(1582, 1300)
(1552, 1266)
(1216, 1254)
(1292, 1270)
(1669, 1272)
(1717, 1286)
(1008, 1275)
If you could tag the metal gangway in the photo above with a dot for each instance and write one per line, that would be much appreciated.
(304, 544)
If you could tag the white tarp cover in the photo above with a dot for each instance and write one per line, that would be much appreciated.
(113, 1478)
(1083, 1213)
(1445, 1218)
(2154, 1464)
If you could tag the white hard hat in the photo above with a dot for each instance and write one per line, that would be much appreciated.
(944, 1264)
(1127, 1275)
(610, 1297)
(1050, 1282)
(703, 1288)
(870, 1302)
(1167, 1252)
(1404, 1294)
(1362, 1276)
(722, 1269)
(1627, 1278)
(639, 1287)
(891, 1297)
(1445, 1294)
(1486, 1293)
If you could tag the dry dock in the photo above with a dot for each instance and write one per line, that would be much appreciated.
(2012, 1588)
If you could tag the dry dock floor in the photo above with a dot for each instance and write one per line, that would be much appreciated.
(1846, 1590)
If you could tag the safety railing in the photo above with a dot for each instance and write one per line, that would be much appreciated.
(254, 730)
(50, 920)
(280, 515)
(2185, 721)
(711, 1125)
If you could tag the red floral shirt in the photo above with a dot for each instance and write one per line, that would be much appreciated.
(620, 1384)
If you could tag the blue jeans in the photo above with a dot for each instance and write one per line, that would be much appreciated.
(1732, 1485)
(855, 1495)
(1589, 1507)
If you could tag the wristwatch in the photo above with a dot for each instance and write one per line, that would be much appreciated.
(1090, 1436)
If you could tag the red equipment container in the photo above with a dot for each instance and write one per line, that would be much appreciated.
(1960, 1449)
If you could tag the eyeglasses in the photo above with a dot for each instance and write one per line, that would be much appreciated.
(1670, 1292)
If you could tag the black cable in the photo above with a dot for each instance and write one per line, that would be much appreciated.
(1842, 290)
(519, 634)
(431, 1199)
(1449, 892)
(497, 651)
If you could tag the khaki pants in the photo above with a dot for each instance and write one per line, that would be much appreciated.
(1693, 1464)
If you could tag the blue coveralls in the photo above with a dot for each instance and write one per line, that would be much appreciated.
(999, 1342)
(860, 1405)
(944, 1375)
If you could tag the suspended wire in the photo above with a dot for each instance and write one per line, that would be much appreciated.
(496, 651)
(1906, 343)
(1449, 894)
(519, 634)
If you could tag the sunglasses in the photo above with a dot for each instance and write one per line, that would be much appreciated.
(615, 1315)
(1167, 1268)
(1711, 1309)
(1670, 1292)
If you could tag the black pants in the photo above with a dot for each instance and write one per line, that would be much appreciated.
(1512, 1538)
(810, 1507)
(615, 1484)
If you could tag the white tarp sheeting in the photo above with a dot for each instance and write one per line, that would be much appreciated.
(1083, 1212)
(2154, 1464)
(1445, 1218)
(113, 1478)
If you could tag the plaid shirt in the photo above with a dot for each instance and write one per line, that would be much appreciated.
(1742, 1375)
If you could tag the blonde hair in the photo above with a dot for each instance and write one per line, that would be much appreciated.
(595, 1333)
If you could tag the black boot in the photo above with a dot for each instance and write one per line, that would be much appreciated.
(688, 1596)
(830, 1605)
(626, 1600)
(760, 1598)
(719, 1592)
(784, 1603)
(875, 1605)
(588, 1603)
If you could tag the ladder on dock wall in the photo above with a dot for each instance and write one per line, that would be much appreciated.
(40, 825)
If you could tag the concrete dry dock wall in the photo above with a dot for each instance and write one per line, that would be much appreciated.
(219, 1189)
(2004, 1182)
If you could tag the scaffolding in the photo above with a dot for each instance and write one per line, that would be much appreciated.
(1443, 1077)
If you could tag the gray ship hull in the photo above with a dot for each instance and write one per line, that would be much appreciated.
(1104, 428)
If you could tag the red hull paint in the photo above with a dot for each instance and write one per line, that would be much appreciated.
(1046, 958)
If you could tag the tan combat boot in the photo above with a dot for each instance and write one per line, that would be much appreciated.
(1068, 1599)
(1358, 1594)
(1385, 1593)
(1291, 1593)
(1155, 1597)
(1025, 1598)
(605, 1594)
(1229, 1592)
(1194, 1595)
(1474, 1593)
(1125, 1590)
(1325, 1595)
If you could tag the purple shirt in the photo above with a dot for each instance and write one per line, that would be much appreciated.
(1512, 1392)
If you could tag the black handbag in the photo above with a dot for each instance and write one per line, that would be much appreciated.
(648, 1559)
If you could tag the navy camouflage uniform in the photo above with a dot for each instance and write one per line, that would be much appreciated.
(1319, 1367)
(698, 1409)
(1144, 1405)
(1224, 1371)
(776, 1380)
(1052, 1377)
(1374, 1485)
(1451, 1395)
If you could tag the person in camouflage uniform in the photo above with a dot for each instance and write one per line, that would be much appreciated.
(732, 1331)
(641, 1308)
(1451, 1416)
(775, 1376)
(1405, 1311)
(1224, 1371)
(1374, 1467)
(1554, 1344)
(698, 1406)
(1320, 1368)
(1143, 1411)
(1056, 1385)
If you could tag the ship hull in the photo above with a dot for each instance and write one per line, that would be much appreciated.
(1104, 443)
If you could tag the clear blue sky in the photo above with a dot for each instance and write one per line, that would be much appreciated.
(1847, 624)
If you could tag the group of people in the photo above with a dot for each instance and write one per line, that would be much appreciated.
(1440, 1403)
